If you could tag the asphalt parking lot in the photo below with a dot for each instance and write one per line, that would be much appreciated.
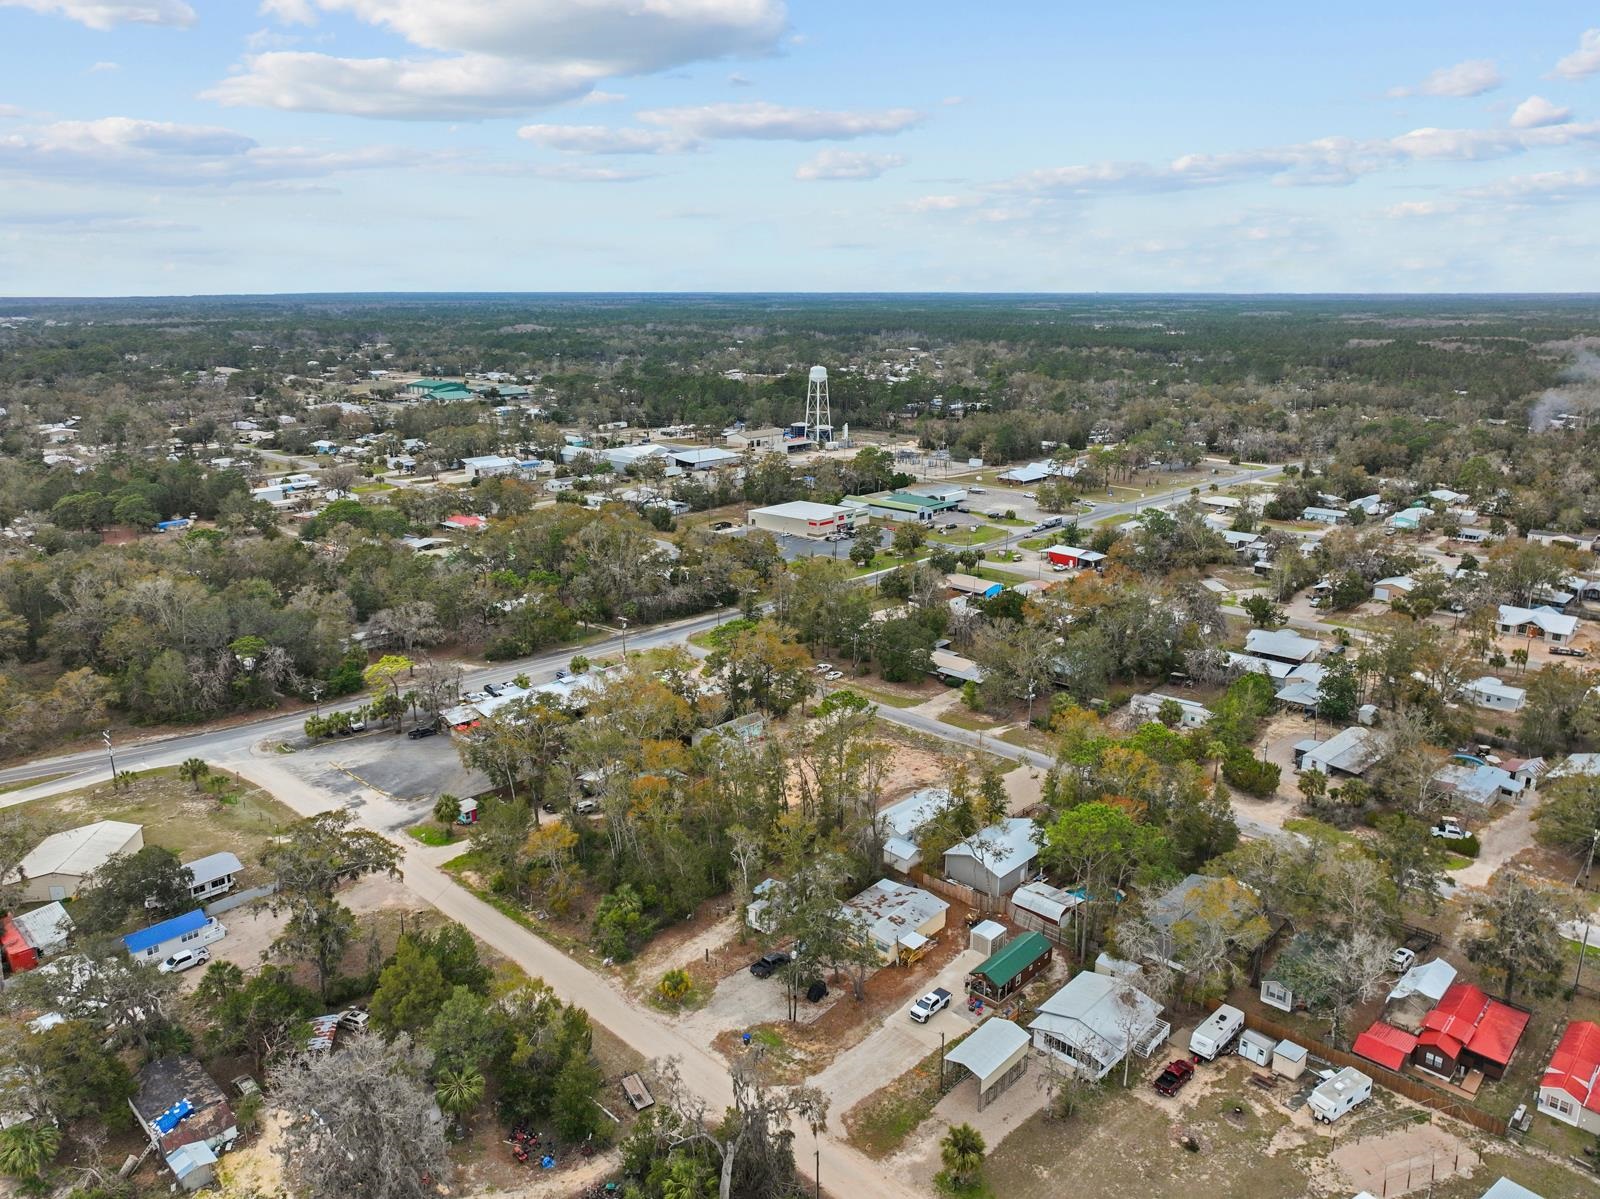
(792, 547)
(412, 773)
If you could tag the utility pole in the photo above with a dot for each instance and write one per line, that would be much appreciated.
(106, 737)
(622, 622)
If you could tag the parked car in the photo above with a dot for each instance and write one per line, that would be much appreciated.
(421, 731)
(353, 1019)
(720, 525)
(1060, 568)
(1030, 495)
(933, 1002)
(357, 726)
(833, 676)
(1400, 960)
(824, 667)
(1450, 829)
(492, 689)
(1171, 1080)
(1568, 651)
(185, 959)
(977, 490)
(768, 964)
(586, 807)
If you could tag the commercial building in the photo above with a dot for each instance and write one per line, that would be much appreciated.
(57, 866)
(1074, 558)
(803, 518)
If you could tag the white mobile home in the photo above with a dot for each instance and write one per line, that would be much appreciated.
(213, 875)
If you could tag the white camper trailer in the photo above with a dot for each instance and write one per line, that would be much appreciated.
(1334, 1097)
(1217, 1032)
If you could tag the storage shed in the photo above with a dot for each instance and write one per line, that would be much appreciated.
(996, 1055)
(1289, 1060)
(1043, 908)
(987, 937)
(1256, 1047)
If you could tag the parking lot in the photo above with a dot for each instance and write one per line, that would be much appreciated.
(411, 773)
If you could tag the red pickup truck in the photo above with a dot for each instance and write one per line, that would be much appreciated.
(1178, 1072)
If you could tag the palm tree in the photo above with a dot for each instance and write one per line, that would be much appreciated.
(962, 1153)
(195, 770)
(26, 1149)
(459, 1091)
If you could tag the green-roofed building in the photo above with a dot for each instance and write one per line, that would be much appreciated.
(443, 390)
(1011, 966)
(901, 505)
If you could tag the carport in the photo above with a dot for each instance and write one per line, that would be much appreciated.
(996, 1055)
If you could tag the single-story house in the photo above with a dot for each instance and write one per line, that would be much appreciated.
(902, 822)
(1488, 691)
(1469, 1030)
(1075, 558)
(27, 939)
(1411, 518)
(1385, 1044)
(1147, 707)
(1270, 667)
(1577, 541)
(1281, 645)
(996, 860)
(1476, 782)
(1228, 503)
(1372, 505)
(1445, 496)
(1042, 908)
(1569, 1091)
(160, 941)
(897, 919)
(1353, 751)
(1302, 687)
(1094, 1021)
(463, 522)
(1390, 589)
(57, 866)
(213, 875)
(1544, 623)
(186, 1117)
(1011, 966)
(1325, 516)
(954, 667)
(1243, 544)
(996, 1054)
(804, 518)
(973, 585)
(758, 913)
(1183, 900)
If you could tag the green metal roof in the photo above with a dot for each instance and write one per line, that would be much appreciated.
(919, 501)
(1013, 958)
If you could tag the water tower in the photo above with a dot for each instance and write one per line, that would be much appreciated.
(819, 420)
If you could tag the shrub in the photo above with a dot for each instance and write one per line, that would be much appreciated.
(675, 986)
(1467, 847)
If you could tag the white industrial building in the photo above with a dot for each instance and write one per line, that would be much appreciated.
(57, 866)
(804, 518)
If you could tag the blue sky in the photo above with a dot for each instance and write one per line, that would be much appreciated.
(210, 146)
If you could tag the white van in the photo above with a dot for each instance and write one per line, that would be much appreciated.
(1339, 1094)
(1217, 1033)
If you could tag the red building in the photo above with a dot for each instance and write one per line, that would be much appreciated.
(1072, 556)
(1468, 1030)
(1387, 1045)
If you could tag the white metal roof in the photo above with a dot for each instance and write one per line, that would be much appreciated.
(1002, 847)
(1432, 979)
(991, 1050)
(1051, 903)
(802, 510)
(46, 927)
(1280, 643)
(214, 866)
(79, 851)
(915, 810)
(1545, 618)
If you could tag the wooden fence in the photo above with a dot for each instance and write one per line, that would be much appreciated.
(957, 893)
(1403, 1084)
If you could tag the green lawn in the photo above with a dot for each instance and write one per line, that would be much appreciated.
(26, 783)
(965, 537)
(891, 698)
(430, 833)
(368, 488)
(241, 818)
(973, 722)
(880, 1124)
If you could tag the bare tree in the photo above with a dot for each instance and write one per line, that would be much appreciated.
(406, 625)
(361, 1122)
(756, 1136)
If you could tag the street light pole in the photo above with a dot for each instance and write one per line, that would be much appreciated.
(622, 622)
(106, 737)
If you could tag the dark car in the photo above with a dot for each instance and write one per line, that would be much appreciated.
(768, 963)
(421, 731)
(1178, 1072)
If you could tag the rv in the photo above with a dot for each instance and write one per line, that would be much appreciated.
(1339, 1094)
(1217, 1033)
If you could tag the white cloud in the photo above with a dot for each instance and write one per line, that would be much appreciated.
(1536, 111)
(940, 203)
(602, 98)
(124, 150)
(9, 111)
(1541, 187)
(100, 68)
(1407, 209)
(737, 80)
(108, 14)
(290, 12)
(601, 139)
(1470, 78)
(573, 173)
(466, 87)
(1585, 60)
(761, 120)
(847, 164)
(500, 58)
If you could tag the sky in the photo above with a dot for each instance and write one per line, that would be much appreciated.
(243, 146)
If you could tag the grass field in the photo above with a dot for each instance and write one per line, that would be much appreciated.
(26, 783)
(890, 698)
(980, 535)
(881, 1123)
(241, 818)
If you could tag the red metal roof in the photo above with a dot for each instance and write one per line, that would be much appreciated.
(1385, 1044)
(1467, 1018)
(1575, 1065)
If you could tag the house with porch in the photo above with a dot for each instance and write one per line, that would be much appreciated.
(1095, 1021)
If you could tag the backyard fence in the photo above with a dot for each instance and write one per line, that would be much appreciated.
(1402, 1084)
(958, 893)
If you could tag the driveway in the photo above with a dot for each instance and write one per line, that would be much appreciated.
(1499, 842)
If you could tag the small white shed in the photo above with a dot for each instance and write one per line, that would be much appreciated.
(1256, 1047)
(987, 937)
(1289, 1059)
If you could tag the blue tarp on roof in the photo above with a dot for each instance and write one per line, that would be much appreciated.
(173, 1116)
(145, 938)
